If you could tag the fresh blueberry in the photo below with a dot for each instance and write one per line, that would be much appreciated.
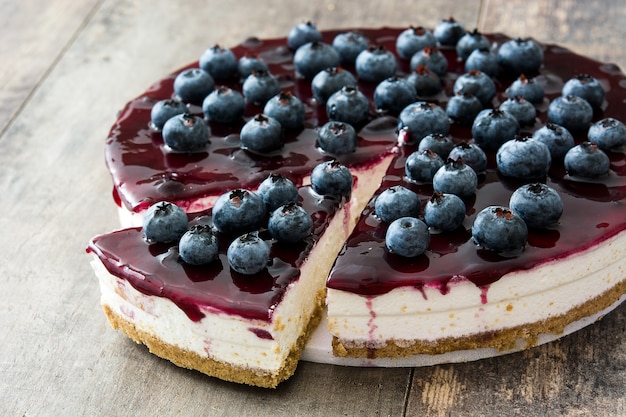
(186, 133)
(463, 108)
(493, 127)
(520, 56)
(348, 105)
(396, 202)
(448, 32)
(425, 82)
(330, 80)
(444, 212)
(262, 134)
(248, 254)
(479, 84)
(431, 58)
(423, 118)
(483, 60)
(375, 63)
(337, 138)
(523, 158)
(238, 211)
(350, 45)
(587, 87)
(198, 245)
(163, 110)
(314, 57)
(302, 33)
(250, 63)
(421, 166)
(537, 204)
(471, 154)
(521, 109)
(290, 223)
(607, 133)
(438, 143)
(587, 160)
(500, 229)
(224, 105)
(287, 109)
(394, 94)
(332, 178)
(220, 62)
(407, 237)
(193, 85)
(277, 190)
(455, 177)
(414, 39)
(164, 222)
(529, 88)
(471, 41)
(558, 139)
(259, 87)
(572, 112)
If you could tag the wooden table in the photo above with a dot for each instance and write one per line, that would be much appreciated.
(68, 66)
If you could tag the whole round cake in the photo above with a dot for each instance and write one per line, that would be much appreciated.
(439, 194)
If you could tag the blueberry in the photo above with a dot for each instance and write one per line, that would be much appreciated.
(302, 33)
(407, 237)
(521, 109)
(394, 94)
(248, 254)
(469, 42)
(523, 158)
(479, 84)
(259, 87)
(220, 62)
(224, 105)
(500, 229)
(198, 245)
(349, 45)
(607, 133)
(493, 127)
(438, 143)
(448, 32)
(482, 60)
(431, 58)
(375, 63)
(558, 139)
(529, 88)
(421, 166)
(238, 211)
(164, 222)
(277, 190)
(250, 63)
(463, 108)
(537, 204)
(287, 109)
(348, 105)
(425, 82)
(330, 80)
(193, 85)
(423, 118)
(332, 178)
(414, 39)
(262, 134)
(290, 223)
(471, 154)
(163, 110)
(520, 56)
(572, 112)
(314, 57)
(186, 133)
(396, 202)
(337, 138)
(455, 177)
(587, 87)
(444, 212)
(587, 160)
